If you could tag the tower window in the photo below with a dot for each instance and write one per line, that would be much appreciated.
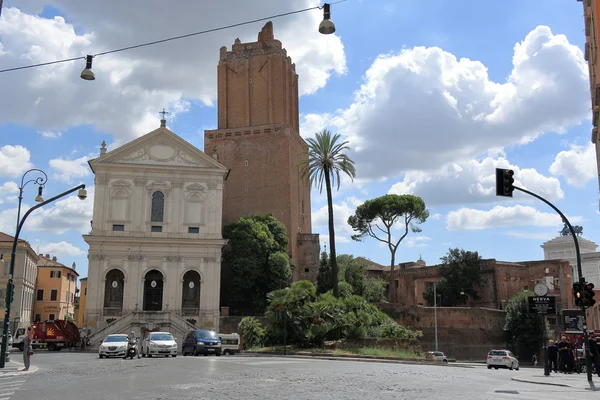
(155, 228)
(245, 188)
(118, 228)
(245, 163)
(193, 229)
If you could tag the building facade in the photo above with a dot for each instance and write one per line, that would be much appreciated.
(24, 280)
(591, 10)
(563, 248)
(55, 289)
(258, 139)
(156, 238)
(80, 313)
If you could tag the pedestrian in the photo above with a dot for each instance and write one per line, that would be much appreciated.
(27, 348)
(594, 355)
(535, 360)
(563, 354)
(553, 356)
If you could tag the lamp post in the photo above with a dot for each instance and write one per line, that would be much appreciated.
(40, 181)
(435, 315)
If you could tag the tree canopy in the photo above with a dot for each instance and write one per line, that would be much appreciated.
(524, 330)
(461, 276)
(258, 259)
(376, 218)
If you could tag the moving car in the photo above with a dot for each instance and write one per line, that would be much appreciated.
(201, 342)
(438, 355)
(159, 344)
(113, 346)
(502, 359)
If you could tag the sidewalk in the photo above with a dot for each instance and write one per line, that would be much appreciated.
(577, 381)
(14, 368)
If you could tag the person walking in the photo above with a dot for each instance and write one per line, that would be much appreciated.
(553, 356)
(27, 348)
(595, 356)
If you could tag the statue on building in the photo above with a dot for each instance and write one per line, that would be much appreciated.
(578, 229)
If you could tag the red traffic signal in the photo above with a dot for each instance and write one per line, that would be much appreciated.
(589, 294)
(504, 182)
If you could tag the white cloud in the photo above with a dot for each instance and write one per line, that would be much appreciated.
(67, 170)
(435, 216)
(313, 123)
(531, 235)
(341, 213)
(14, 160)
(429, 108)
(132, 86)
(577, 165)
(416, 241)
(473, 182)
(8, 192)
(50, 134)
(60, 249)
(61, 216)
(465, 219)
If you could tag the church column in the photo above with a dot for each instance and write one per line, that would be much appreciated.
(102, 206)
(133, 267)
(178, 208)
(137, 212)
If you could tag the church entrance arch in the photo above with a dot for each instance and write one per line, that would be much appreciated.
(153, 290)
(113, 292)
(190, 302)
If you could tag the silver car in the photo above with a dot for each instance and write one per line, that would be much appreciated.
(159, 344)
(113, 346)
(438, 355)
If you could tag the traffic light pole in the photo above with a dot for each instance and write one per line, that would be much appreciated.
(588, 359)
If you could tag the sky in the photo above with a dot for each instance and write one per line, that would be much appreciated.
(431, 97)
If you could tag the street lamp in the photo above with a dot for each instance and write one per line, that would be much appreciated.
(327, 27)
(40, 181)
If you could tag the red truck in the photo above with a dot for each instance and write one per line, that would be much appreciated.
(55, 335)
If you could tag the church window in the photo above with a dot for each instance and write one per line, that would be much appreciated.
(193, 229)
(118, 228)
(158, 207)
(156, 228)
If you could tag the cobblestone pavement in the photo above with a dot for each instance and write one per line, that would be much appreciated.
(67, 375)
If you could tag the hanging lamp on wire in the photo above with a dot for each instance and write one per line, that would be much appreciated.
(327, 27)
(87, 72)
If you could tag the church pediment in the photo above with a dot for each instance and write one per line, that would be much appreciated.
(194, 187)
(121, 183)
(160, 148)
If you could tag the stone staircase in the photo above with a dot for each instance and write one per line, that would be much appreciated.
(136, 320)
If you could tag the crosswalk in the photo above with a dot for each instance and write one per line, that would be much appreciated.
(9, 384)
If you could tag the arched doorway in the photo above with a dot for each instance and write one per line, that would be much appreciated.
(190, 301)
(153, 291)
(114, 287)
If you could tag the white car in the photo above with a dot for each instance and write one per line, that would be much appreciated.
(502, 359)
(438, 355)
(113, 346)
(159, 344)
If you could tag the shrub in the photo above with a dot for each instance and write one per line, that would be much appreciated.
(251, 332)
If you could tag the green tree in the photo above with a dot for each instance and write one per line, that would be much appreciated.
(258, 260)
(524, 330)
(324, 274)
(376, 218)
(353, 271)
(323, 163)
(461, 276)
(374, 290)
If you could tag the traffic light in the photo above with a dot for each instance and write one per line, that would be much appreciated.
(504, 182)
(589, 295)
(578, 294)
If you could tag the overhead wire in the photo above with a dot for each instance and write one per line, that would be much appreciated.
(220, 28)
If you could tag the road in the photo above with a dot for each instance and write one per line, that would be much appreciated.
(67, 375)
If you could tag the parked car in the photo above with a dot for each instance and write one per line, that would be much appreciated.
(230, 343)
(159, 344)
(201, 342)
(502, 359)
(113, 346)
(438, 355)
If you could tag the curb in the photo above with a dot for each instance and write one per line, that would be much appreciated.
(524, 380)
(344, 357)
(18, 371)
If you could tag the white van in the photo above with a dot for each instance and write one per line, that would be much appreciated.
(230, 343)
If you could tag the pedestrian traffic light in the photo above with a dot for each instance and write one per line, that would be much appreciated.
(504, 182)
(589, 295)
(578, 294)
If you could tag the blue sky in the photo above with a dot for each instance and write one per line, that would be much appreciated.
(431, 98)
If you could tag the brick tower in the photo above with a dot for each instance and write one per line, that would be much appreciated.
(258, 139)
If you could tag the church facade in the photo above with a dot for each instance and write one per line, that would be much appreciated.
(155, 243)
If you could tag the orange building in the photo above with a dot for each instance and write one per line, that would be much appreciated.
(55, 290)
(591, 8)
(80, 313)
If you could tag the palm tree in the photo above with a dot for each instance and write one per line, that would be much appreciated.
(323, 163)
